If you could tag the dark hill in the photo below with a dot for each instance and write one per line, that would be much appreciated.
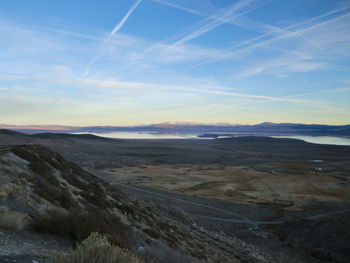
(68, 135)
(345, 132)
(10, 132)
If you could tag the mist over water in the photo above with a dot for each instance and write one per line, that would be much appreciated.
(148, 135)
(319, 139)
(142, 135)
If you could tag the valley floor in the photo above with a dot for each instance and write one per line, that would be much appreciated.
(285, 199)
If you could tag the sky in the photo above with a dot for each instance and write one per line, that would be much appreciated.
(130, 62)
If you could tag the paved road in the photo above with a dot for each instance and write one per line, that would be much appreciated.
(233, 216)
(181, 200)
(237, 218)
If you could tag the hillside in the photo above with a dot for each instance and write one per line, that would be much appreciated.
(47, 194)
(186, 198)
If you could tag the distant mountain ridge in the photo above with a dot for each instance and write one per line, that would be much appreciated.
(197, 128)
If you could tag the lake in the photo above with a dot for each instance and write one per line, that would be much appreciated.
(319, 139)
(141, 135)
(148, 135)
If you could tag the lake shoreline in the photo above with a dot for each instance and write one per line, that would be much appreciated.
(318, 139)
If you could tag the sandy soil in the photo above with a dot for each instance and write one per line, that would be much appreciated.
(238, 183)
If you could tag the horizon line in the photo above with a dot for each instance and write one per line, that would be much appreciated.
(176, 123)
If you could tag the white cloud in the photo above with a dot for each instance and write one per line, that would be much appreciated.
(343, 89)
(305, 66)
(113, 86)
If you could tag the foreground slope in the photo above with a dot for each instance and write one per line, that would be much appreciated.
(46, 193)
(314, 209)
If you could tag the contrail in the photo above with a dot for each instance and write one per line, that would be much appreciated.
(232, 12)
(110, 35)
(125, 18)
(271, 30)
(210, 12)
(249, 44)
(219, 17)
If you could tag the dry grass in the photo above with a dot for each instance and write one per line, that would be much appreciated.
(293, 184)
(3, 194)
(13, 221)
(96, 249)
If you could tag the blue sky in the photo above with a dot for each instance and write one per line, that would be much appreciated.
(128, 62)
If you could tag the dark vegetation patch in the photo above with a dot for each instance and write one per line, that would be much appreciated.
(126, 209)
(54, 194)
(77, 225)
(97, 199)
(45, 182)
(152, 233)
(43, 162)
(36, 164)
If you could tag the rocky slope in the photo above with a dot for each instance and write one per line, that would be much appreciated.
(41, 192)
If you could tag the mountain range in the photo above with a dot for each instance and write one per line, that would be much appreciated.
(196, 128)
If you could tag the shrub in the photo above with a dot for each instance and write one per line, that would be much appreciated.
(52, 193)
(97, 199)
(3, 194)
(95, 249)
(12, 220)
(78, 225)
(36, 163)
(152, 233)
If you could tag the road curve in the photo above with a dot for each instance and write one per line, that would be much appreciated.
(239, 218)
